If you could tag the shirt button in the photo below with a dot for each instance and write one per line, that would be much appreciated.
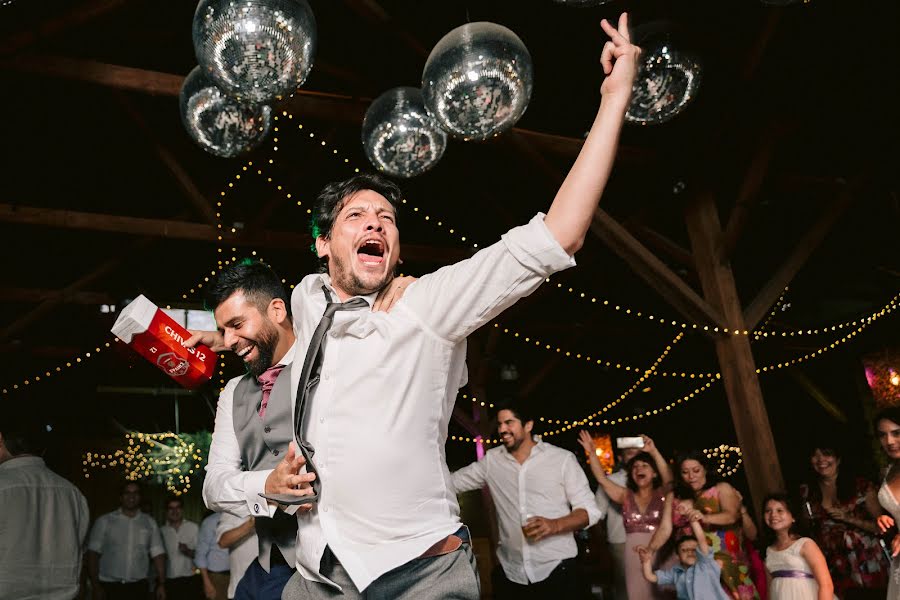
(327, 376)
(267, 429)
(325, 509)
(321, 419)
(275, 452)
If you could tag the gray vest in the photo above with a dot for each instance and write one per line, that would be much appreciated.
(264, 442)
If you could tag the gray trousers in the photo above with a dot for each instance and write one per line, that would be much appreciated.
(450, 576)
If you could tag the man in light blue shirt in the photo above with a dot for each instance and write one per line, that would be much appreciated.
(212, 560)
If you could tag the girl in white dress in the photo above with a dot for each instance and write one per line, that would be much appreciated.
(887, 427)
(795, 565)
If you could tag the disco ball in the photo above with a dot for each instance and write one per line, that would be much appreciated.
(217, 122)
(666, 82)
(399, 136)
(255, 50)
(477, 80)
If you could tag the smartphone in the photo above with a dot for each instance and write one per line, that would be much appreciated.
(629, 442)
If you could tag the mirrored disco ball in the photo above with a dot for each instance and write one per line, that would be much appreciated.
(255, 50)
(477, 80)
(217, 122)
(665, 84)
(399, 136)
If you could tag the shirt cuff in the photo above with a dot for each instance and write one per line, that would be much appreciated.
(535, 247)
(255, 484)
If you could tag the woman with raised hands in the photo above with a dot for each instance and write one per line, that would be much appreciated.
(642, 501)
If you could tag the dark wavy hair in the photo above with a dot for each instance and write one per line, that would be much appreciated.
(768, 535)
(891, 413)
(645, 458)
(519, 411)
(846, 479)
(331, 200)
(682, 490)
(255, 279)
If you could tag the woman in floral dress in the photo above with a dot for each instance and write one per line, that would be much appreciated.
(841, 510)
(719, 508)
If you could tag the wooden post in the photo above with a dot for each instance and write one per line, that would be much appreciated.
(748, 412)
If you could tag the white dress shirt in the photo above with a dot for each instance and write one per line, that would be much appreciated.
(548, 484)
(241, 555)
(615, 526)
(227, 487)
(378, 419)
(43, 523)
(125, 545)
(177, 564)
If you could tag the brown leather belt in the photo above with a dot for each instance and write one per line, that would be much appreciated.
(449, 544)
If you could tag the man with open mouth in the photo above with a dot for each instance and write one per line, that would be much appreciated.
(373, 401)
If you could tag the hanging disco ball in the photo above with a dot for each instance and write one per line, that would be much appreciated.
(477, 80)
(217, 122)
(255, 50)
(666, 83)
(399, 136)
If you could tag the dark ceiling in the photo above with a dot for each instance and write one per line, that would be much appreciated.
(106, 197)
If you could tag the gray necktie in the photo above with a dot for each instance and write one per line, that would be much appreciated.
(309, 379)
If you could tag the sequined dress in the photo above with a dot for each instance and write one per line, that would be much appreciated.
(726, 542)
(639, 528)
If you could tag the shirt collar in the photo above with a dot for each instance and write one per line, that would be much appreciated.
(288, 357)
(22, 462)
(325, 279)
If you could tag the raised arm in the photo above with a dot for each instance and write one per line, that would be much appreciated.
(665, 471)
(615, 492)
(816, 560)
(470, 477)
(573, 208)
(697, 529)
(664, 531)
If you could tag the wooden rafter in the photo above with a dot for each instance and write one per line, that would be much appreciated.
(768, 295)
(186, 230)
(654, 272)
(77, 16)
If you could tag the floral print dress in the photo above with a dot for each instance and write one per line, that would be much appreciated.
(726, 542)
(854, 557)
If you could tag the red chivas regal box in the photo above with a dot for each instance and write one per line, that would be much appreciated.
(157, 337)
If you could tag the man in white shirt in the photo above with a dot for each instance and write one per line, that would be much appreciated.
(43, 522)
(541, 495)
(120, 547)
(239, 537)
(615, 527)
(180, 541)
(382, 385)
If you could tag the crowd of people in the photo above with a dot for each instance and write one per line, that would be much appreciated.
(331, 448)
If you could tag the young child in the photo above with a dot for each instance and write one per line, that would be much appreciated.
(697, 577)
(796, 567)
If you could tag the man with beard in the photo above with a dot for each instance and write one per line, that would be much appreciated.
(541, 495)
(253, 418)
(375, 397)
(253, 428)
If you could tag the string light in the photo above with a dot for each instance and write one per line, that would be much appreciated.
(58, 370)
(758, 332)
(721, 455)
(170, 459)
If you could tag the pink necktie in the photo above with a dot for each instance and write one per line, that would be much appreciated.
(267, 381)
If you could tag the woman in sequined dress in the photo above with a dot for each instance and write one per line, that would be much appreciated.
(642, 501)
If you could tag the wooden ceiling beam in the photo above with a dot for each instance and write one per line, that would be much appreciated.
(32, 295)
(654, 272)
(185, 182)
(186, 230)
(306, 103)
(768, 295)
(77, 16)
